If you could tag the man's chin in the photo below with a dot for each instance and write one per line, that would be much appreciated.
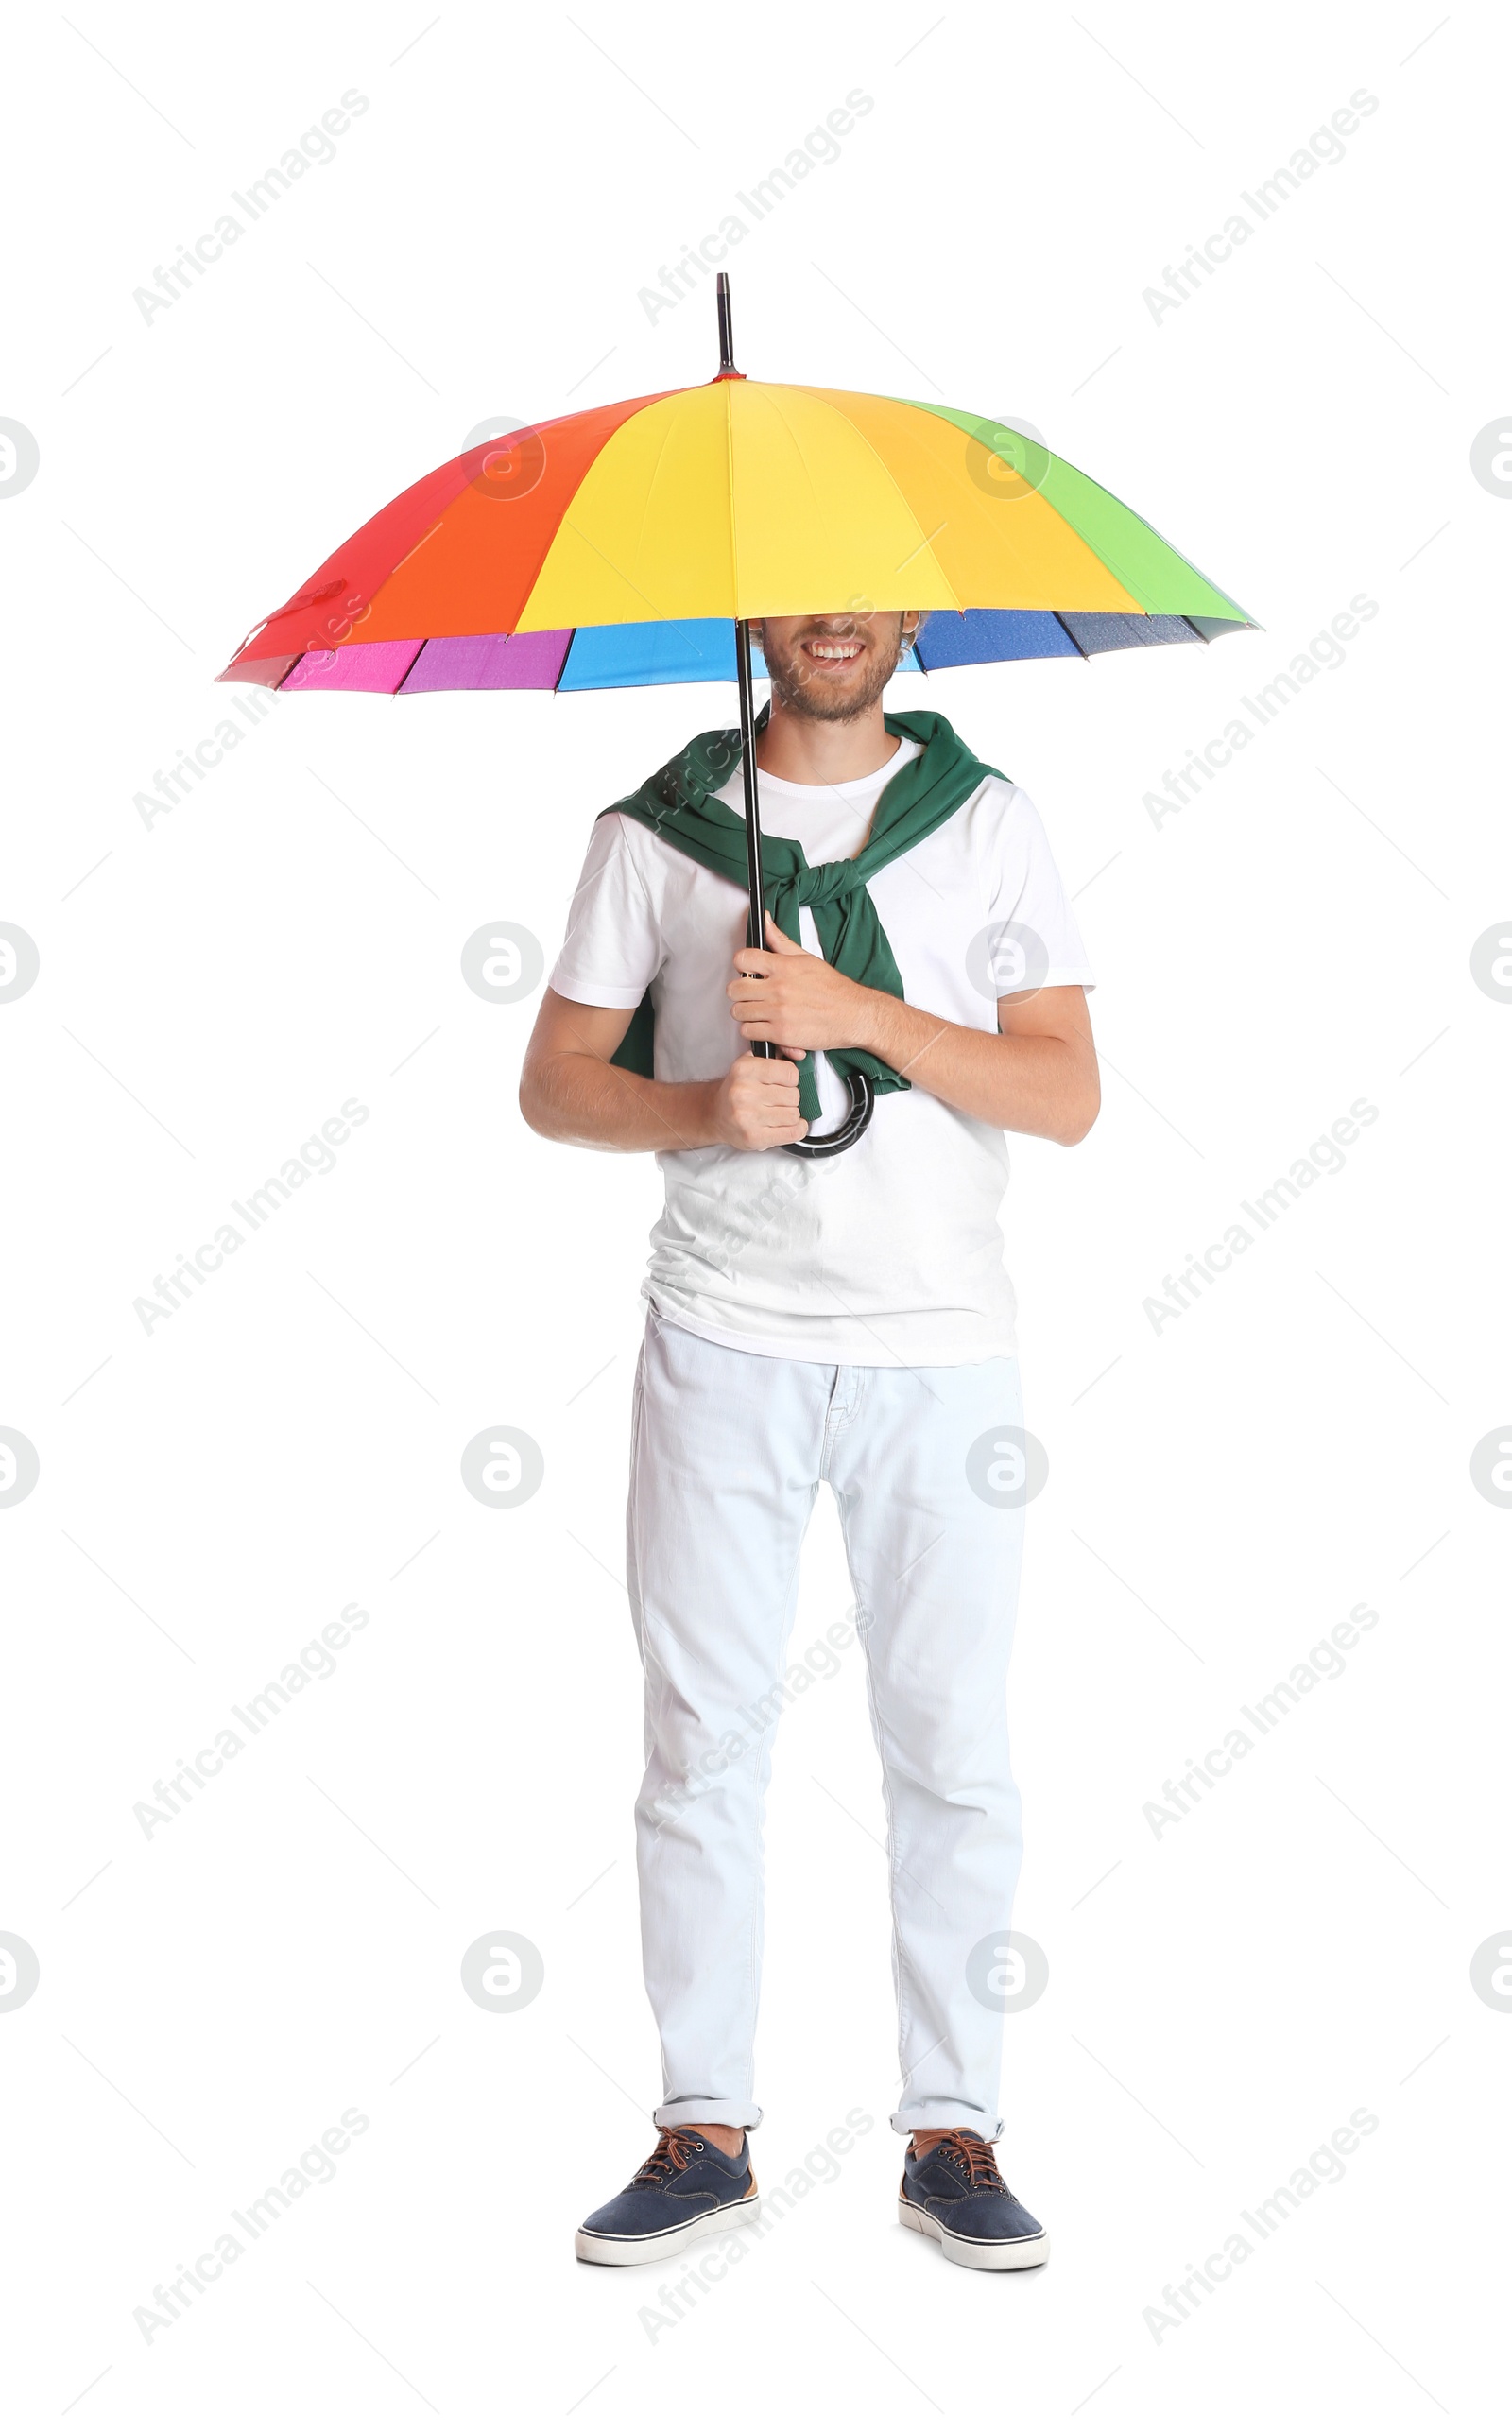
(819, 697)
(828, 713)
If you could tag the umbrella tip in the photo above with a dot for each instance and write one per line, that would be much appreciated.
(727, 335)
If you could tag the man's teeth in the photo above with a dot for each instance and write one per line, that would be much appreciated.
(834, 649)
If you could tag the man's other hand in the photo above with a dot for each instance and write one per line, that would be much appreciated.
(796, 998)
(756, 1104)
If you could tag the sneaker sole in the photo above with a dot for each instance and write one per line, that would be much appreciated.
(977, 2254)
(595, 2248)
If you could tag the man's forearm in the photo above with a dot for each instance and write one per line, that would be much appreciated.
(1046, 1086)
(579, 1098)
(1037, 1072)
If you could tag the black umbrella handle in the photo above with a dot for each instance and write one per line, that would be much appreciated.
(863, 1096)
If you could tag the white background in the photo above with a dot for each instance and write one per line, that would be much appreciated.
(1222, 1492)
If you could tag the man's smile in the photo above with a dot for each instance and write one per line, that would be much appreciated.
(832, 650)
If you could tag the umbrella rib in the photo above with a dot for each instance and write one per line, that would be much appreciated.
(889, 475)
(730, 496)
(1135, 517)
(1066, 629)
(411, 553)
(1100, 553)
(528, 593)
(646, 505)
(639, 406)
(411, 666)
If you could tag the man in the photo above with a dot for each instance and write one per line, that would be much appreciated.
(847, 1321)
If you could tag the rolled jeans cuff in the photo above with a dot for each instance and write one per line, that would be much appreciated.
(698, 2109)
(936, 2112)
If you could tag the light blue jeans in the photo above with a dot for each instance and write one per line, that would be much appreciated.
(729, 1450)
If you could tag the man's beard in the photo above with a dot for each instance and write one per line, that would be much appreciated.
(802, 696)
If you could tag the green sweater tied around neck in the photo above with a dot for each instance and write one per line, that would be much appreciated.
(678, 804)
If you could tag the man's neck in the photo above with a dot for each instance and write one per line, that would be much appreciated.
(824, 751)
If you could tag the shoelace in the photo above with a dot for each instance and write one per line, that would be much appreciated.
(975, 2155)
(674, 2150)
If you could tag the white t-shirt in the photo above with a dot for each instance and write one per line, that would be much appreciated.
(889, 1255)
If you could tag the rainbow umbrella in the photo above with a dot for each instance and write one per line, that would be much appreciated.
(632, 544)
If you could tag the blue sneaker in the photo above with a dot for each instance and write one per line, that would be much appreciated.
(956, 2194)
(687, 2190)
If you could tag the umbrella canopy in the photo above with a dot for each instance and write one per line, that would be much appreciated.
(634, 543)
(620, 546)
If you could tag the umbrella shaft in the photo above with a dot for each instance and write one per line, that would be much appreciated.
(755, 928)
